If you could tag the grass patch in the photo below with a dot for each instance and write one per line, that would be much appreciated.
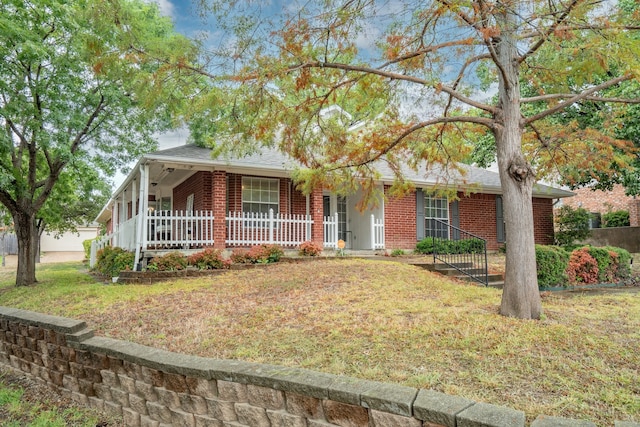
(384, 321)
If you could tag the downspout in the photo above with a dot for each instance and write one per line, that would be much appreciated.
(141, 238)
(308, 212)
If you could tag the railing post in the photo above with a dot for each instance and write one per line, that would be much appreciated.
(270, 225)
(373, 233)
(335, 230)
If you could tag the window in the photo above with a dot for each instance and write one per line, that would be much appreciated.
(436, 209)
(260, 194)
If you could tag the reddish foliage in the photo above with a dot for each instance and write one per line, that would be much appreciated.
(310, 248)
(583, 268)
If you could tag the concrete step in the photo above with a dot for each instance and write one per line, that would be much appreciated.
(495, 280)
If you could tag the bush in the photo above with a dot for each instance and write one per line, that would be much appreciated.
(397, 252)
(445, 246)
(608, 262)
(310, 248)
(582, 268)
(624, 262)
(261, 254)
(551, 264)
(86, 245)
(110, 261)
(572, 225)
(172, 261)
(616, 219)
(208, 259)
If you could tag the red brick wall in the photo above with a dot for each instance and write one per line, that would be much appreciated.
(400, 221)
(605, 201)
(543, 221)
(477, 216)
(199, 184)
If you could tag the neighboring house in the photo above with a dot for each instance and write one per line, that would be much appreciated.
(601, 202)
(69, 241)
(181, 198)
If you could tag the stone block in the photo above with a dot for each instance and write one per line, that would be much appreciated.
(145, 421)
(159, 412)
(103, 391)
(182, 419)
(385, 419)
(319, 423)
(61, 365)
(132, 369)
(138, 404)
(112, 408)
(120, 396)
(168, 398)
(76, 369)
(175, 382)
(127, 383)
(439, 408)
(96, 403)
(395, 399)
(116, 365)
(36, 332)
(283, 419)
(193, 404)
(221, 410)
(86, 387)
(147, 391)
(70, 383)
(80, 398)
(130, 417)
(232, 392)
(264, 397)
(625, 424)
(546, 421)
(304, 406)
(487, 415)
(152, 376)
(252, 415)
(204, 421)
(344, 414)
(83, 357)
(202, 387)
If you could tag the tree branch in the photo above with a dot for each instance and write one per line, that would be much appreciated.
(586, 98)
(577, 98)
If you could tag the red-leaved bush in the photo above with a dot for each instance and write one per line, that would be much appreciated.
(582, 268)
(310, 248)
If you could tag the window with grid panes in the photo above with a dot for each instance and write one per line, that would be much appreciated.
(436, 208)
(260, 194)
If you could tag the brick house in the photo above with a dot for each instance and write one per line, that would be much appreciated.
(175, 198)
(598, 201)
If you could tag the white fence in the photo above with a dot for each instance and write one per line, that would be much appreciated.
(330, 228)
(248, 228)
(179, 228)
(377, 233)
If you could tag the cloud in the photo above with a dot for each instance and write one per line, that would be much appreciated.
(166, 7)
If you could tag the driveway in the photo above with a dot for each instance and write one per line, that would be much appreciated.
(11, 261)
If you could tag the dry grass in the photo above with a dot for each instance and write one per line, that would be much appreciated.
(383, 321)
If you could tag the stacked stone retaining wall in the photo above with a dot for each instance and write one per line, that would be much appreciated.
(149, 387)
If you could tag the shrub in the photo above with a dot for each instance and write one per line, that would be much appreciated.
(208, 259)
(607, 263)
(310, 248)
(445, 246)
(582, 268)
(551, 264)
(172, 261)
(261, 254)
(572, 225)
(110, 261)
(397, 252)
(616, 219)
(86, 245)
(624, 262)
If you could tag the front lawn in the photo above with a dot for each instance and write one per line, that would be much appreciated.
(384, 321)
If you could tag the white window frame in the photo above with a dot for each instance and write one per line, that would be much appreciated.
(433, 211)
(268, 197)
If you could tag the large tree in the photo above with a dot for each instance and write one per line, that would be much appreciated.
(76, 93)
(424, 63)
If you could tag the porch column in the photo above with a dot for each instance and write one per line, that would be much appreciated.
(219, 209)
(317, 228)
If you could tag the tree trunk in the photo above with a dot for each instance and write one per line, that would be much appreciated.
(520, 295)
(26, 233)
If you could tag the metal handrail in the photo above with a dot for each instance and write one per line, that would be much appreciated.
(472, 263)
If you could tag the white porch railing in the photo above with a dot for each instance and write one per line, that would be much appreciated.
(179, 228)
(248, 228)
(330, 228)
(126, 234)
(96, 245)
(377, 233)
